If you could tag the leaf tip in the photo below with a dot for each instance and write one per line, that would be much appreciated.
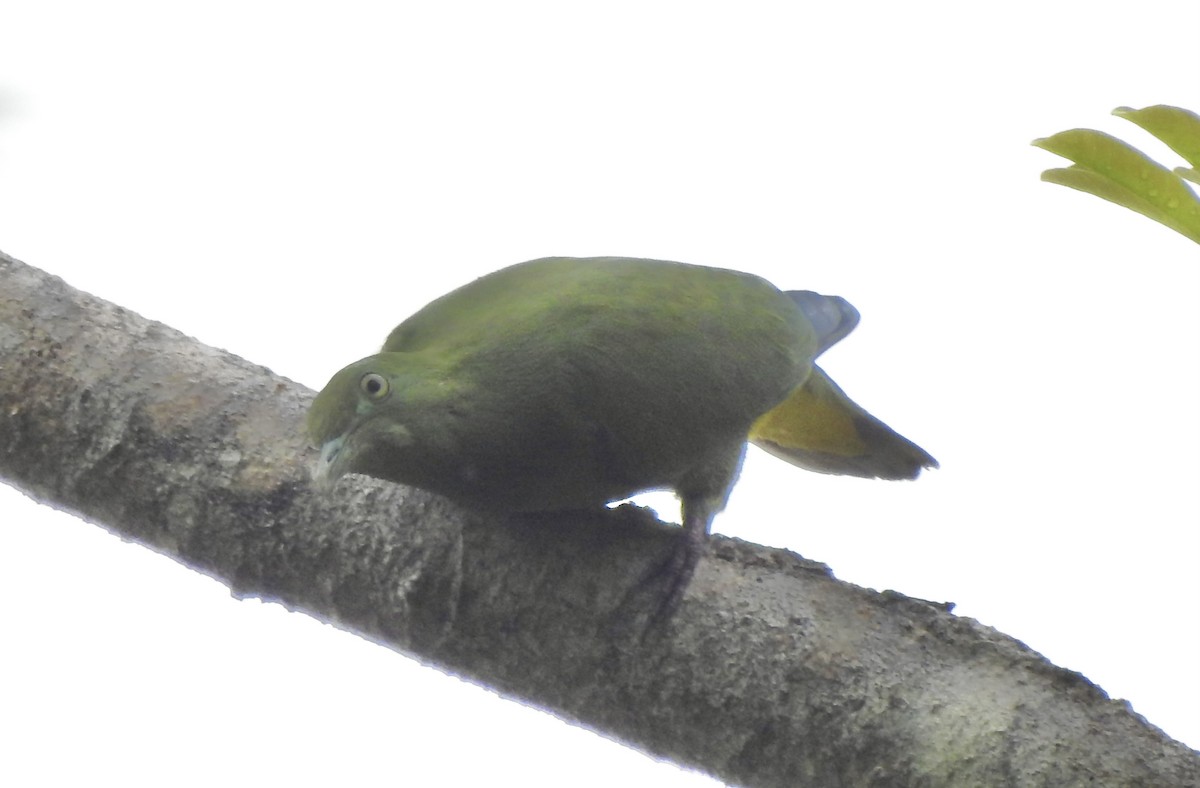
(1188, 173)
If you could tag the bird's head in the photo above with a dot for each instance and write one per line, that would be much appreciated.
(360, 419)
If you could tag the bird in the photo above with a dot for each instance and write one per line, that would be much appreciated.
(568, 383)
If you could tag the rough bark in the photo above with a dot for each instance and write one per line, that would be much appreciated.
(771, 673)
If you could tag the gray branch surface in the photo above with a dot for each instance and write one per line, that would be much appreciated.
(772, 673)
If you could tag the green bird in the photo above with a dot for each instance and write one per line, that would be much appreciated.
(566, 383)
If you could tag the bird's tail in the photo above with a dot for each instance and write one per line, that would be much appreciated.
(820, 429)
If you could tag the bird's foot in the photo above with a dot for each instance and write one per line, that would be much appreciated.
(656, 596)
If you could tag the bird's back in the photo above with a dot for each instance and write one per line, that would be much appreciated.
(604, 376)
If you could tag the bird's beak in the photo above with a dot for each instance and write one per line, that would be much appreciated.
(331, 463)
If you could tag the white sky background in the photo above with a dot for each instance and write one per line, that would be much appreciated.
(290, 180)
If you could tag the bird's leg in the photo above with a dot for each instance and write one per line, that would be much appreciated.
(703, 494)
(680, 566)
(656, 595)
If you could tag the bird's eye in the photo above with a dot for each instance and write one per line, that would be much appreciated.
(374, 385)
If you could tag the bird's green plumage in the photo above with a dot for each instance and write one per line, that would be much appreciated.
(563, 383)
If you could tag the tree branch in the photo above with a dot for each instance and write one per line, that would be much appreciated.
(771, 673)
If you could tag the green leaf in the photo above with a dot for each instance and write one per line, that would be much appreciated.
(1178, 128)
(1115, 171)
(1093, 183)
